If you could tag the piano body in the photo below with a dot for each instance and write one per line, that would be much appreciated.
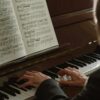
(76, 33)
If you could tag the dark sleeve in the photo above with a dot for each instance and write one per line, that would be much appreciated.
(92, 89)
(50, 90)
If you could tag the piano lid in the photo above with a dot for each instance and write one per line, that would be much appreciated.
(75, 30)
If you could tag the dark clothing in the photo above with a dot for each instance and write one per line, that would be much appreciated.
(50, 90)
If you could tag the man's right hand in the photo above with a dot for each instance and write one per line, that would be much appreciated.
(77, 78)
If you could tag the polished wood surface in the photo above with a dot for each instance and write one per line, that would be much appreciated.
(75, 30)
(59, 7)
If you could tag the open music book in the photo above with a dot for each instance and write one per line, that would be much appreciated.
(25, 29)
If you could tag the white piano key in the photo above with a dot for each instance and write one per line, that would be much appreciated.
(90, 68)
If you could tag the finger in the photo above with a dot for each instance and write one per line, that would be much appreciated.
(26, 84)
(61, 72)
(67, 72)
(27, 77)
(70, 68)
(72, 71)
(30, 72)
(77, 70)
(33, 71)
(68, 83)
(37, 73)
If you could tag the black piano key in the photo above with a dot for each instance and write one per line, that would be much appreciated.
(13, 79)
(15, 85)
(11, 88)
(14, 82)
(6, 90)
(75, 62)
(73, 66)
(86, 59)
(96, 56)
(65, 65)
(54, 69)
(92, 59)
(19, 87)
(30, 87)
(4, 95)
(51, 74)
(22, 82)
(1, 98)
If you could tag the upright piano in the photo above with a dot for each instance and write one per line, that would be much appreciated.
(76, 33)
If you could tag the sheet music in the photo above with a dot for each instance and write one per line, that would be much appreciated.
(11, 46)
(35, 25)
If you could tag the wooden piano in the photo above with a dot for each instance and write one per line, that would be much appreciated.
(76, 33)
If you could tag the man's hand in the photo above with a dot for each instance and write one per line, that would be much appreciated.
(33, 78)
(77, 78)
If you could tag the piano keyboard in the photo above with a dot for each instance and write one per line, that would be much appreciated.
(24, 95)
(86, 64)
(11, 91)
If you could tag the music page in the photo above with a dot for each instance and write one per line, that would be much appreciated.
(11, 45)
(35, 25)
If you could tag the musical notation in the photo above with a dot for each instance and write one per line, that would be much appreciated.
(11, 45)
(36, 25)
